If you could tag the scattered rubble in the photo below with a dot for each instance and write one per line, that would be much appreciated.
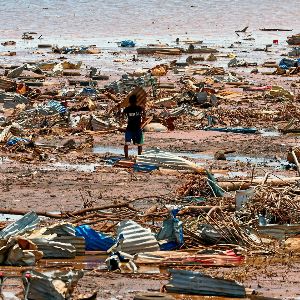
(208, 114)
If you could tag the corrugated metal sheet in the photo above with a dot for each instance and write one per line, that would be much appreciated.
(77, 242)
(102, 124)
(189, 282)
(52, 249)
(42, 285)
(279, 232)
(16, 72)
(27, 223)
(168, 160)
(61, 229)
(136, 238)
(141, 96)
(11, 100)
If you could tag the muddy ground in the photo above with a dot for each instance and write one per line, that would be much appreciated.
(64, 181)
(85, 177)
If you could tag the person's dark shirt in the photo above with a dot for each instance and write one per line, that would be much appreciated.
(134, 115)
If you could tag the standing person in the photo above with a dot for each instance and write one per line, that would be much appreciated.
(135, 115)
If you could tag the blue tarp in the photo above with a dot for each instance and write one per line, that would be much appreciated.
(144, 168)
(287, 63)
(127, 43)
(171, 232)
(94, 240)
(15, 140)
(87, 91)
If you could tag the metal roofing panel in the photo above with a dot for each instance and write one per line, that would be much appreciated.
(52, 249)
(198, 283)
(161, 158)
(76, 241)
(42, 286)
(27, 223)
(11, 100)
(61, 229)
(136, 238)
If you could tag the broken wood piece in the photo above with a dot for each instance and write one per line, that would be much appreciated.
(296, 161)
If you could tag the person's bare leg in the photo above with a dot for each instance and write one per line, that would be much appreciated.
(126, 151)
(140, 150)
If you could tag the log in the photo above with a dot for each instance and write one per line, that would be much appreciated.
(66, 214)
(23, 212)
(245, 184)
(229, 186)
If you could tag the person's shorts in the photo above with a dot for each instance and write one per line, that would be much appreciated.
(136, 137)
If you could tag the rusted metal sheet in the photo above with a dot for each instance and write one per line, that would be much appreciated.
(159, 50)
(135, 239)
(141, 96)
(188, 282)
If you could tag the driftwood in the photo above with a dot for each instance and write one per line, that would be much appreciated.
(244, 184)
(206, 209)
(23, 212)
(296, 161)
(67, 214)
(90, 209)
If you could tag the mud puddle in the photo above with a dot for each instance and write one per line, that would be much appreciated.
(72, 167)
(269, 133)
(15, 217)
(9, 217)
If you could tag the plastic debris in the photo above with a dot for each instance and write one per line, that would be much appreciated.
(94, 240)
(127, 43)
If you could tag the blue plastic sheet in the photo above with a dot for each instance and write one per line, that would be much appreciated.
(15, 140)
(172, 232)
(287, 63)
(94, 240)
(127, 43)
(144, 168)
(88, 91)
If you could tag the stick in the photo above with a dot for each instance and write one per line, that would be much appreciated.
(296, 161)
(23, 212)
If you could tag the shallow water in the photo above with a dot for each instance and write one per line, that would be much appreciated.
(202, 158)
(105, 19)
(90, 167)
